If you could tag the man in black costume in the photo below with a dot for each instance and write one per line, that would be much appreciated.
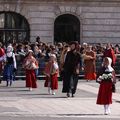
(71, 70)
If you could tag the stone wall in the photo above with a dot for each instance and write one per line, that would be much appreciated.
(100, 20)
(98, 24)
(101, 24)
(41, 18)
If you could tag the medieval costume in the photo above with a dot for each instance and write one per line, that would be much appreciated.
(109, 52)
(52, 72)
(71, 70)
(63, 56)
(10, 66)
(2, 53)
(106, 79)
(62, 61)
(89, 64)
(30, 64)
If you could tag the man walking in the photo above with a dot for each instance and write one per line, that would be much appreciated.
(71, 70)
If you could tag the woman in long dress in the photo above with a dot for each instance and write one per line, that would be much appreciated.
(62, 61)
(89, 64)
(10, 66)
(30, 64)
(109, 52)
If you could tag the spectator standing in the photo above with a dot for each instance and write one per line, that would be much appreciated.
(117, 49)
(109, 52)
(37, 54)
(38, 39)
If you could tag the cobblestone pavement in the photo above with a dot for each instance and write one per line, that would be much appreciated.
(17, 103)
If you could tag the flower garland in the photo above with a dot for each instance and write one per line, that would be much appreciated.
(105, 77)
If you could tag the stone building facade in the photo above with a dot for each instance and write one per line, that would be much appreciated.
(99, 19)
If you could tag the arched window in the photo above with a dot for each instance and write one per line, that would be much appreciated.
(66, 28)
(13, 27)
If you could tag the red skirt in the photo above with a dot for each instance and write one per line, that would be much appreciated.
(90, 76)
(105, 93)
(31, 79)
(53, 82)
(47, 80)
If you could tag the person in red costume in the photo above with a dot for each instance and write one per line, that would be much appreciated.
(2, 53)
(30, 64)
(109, 52)
(52, 73)
(106, 78)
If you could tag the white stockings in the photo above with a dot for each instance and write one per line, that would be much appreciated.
(107, 109)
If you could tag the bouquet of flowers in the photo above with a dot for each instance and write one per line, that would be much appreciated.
(105, 77)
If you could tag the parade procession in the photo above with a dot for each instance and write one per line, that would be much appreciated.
(59, 59)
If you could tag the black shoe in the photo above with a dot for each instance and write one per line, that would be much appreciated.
(68, 95)
(7, 84)
(10, 83)
(73, 95)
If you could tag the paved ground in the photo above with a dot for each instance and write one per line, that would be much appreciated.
(17, 103)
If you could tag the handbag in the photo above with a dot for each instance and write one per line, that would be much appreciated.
(113, 88)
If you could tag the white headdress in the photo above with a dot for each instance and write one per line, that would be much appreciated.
(9, 51)
(109, 67)
(10, 48)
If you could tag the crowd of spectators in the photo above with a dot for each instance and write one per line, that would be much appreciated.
(43, 50)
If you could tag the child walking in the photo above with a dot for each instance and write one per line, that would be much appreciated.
(30, 64)
(106, 79)
(51, 72)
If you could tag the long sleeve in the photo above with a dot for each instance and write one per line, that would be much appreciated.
(114, 77)
(14, 60)
(3, 58)
(113, 57)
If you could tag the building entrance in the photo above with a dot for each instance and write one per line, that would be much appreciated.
(66, 28)
(13, 27)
